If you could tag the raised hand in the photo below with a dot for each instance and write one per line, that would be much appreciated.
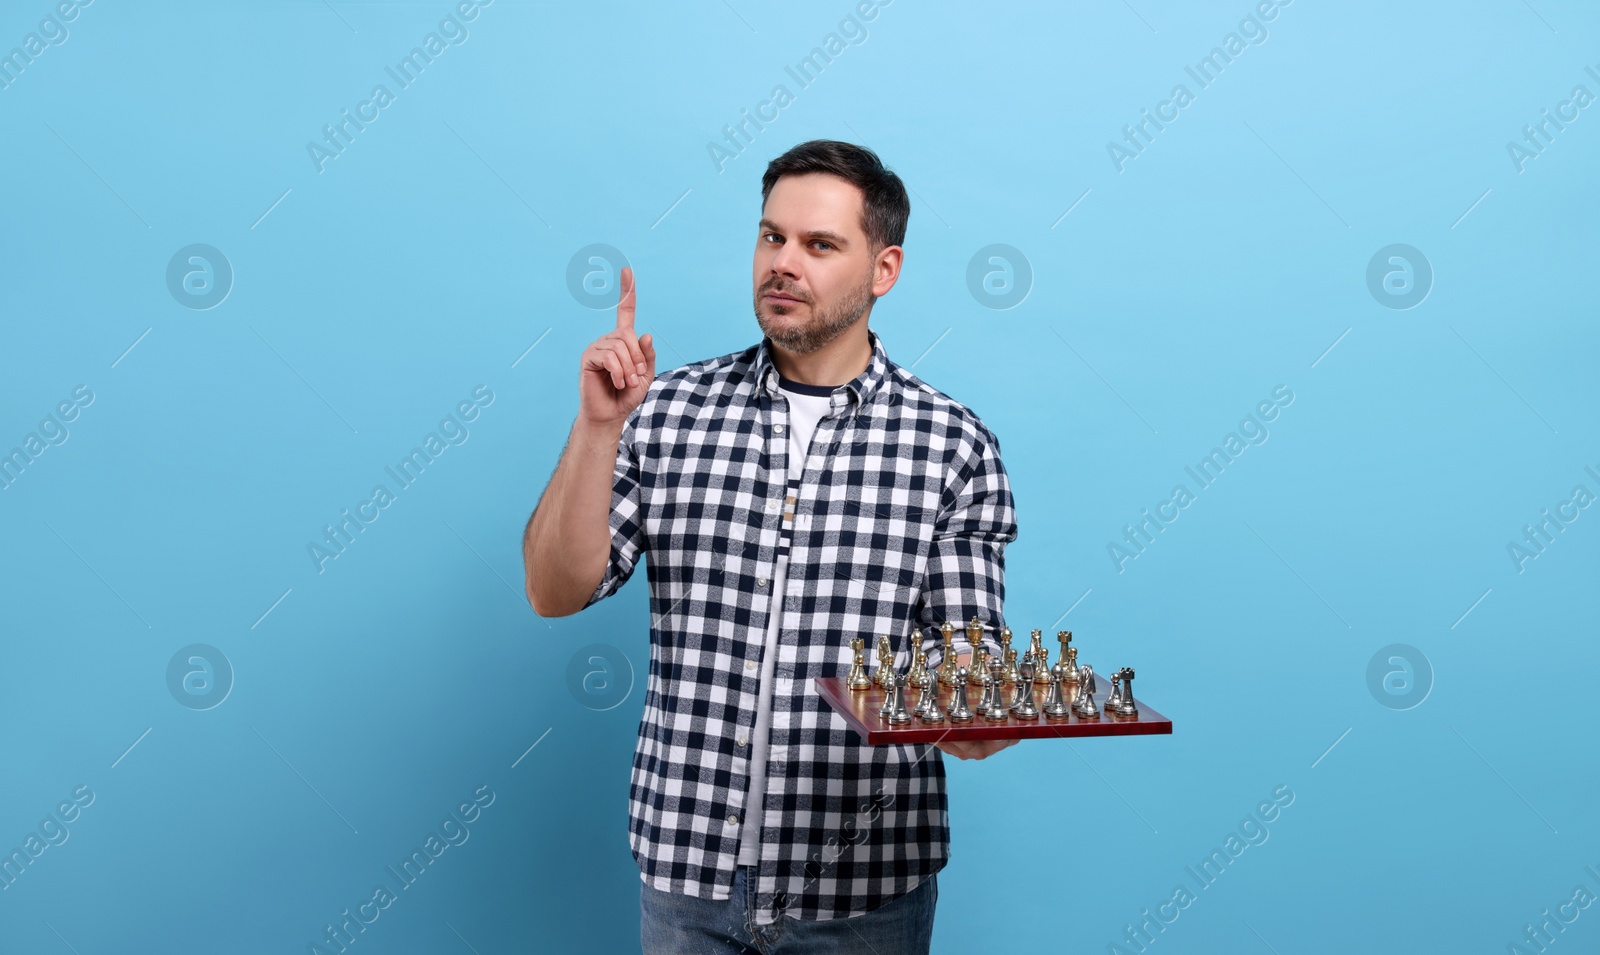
(617, 368)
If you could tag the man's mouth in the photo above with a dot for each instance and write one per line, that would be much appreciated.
(779, 298)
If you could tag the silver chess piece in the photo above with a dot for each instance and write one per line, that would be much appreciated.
(885, 675)
(897, 701)
(994, 705)
(1055, 706)
(1114, 698)
(1016, 686)
(928, 707)
(1126, 707)
(960, 711)
(1026, 709)
(1084, 704)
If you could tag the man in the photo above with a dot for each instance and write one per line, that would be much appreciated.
(791, 496)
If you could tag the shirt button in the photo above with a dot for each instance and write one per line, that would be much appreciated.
(772, 505)
(742, 741)
(733, 819)
(749, 664)
(761, 581)
(778, 428)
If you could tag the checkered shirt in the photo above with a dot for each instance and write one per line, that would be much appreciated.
(901, 519)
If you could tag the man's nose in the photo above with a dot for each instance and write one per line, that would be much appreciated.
(786, 261)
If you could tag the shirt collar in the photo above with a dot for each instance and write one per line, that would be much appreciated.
(860, 389)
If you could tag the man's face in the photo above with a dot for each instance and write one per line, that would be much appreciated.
(814, 274)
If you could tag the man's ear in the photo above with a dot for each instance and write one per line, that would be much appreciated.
(886, 269)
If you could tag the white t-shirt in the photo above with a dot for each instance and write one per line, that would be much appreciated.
(806, 408)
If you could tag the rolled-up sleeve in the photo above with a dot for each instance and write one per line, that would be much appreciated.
(627, 516)
(966, 564)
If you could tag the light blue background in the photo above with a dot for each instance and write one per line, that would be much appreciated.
(371, 297)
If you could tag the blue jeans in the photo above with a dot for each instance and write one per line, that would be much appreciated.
(672, 924)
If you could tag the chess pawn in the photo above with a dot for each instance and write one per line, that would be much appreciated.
(979, 661)
(1074, 672)
(919, 668)
(1060, 670)
(1085, 704)
(858, 679)
(897, 701)
(1025, 708)
(1041, 659)
(948, 662)
(886, 676)
(885, 662)
(1114, 698)
(928, 707)
(994, 707)
(1055, 707)
(1126, 707)
(960, 711)
(1008, 657)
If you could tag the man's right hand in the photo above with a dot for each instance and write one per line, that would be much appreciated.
(617, 369)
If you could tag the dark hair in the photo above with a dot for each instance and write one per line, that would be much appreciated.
(884, 207)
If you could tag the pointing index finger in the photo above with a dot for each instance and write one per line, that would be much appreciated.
(625, 305)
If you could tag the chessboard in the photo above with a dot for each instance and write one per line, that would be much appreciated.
(860, 708)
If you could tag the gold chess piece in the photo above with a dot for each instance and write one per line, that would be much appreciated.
(885, 662)
(1041, 662)
(1074, 672)
(1008, 658)
(858, 679)
(919, 668)
(948, 663)
(977, 662)
(1063, 675)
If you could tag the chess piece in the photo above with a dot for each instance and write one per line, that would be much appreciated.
(977, 655)
(1025, 708)
(1074, 672)
(919, 667)
(960, 711)
(1041, 659)
(1060, 670)
(1008, 657)
(897, 701)
(994, 707)
(948, 662)
(1016, 686)
(858, 679)
(885, 676)
(1085, 704)
(885, 662)
(1055, 706)
(1115, 696)
(1126, 707)
(928, 707)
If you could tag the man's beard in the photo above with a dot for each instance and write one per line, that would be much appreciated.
(826, 324)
